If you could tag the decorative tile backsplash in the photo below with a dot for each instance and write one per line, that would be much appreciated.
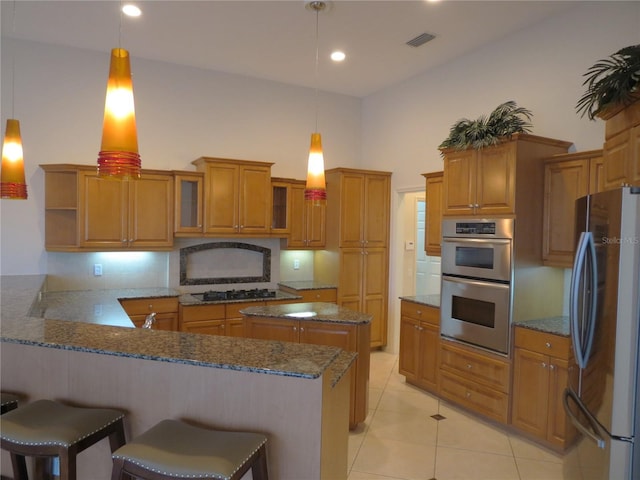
(224, 263)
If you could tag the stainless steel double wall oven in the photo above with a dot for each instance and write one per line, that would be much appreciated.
(477, 279)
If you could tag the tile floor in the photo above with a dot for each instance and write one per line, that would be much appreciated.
(400, 441)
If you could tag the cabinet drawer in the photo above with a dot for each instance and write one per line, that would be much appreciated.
(319, 295)
(233, 309)
(196, 313)
(544, 343)
(420, 312)
(144, 306)
(476, 397)
(475, 366)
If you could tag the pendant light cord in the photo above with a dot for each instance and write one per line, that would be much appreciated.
(316, 72)
(13, 61)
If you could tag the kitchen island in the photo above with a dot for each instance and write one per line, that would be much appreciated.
(320, 323)
(297, 394)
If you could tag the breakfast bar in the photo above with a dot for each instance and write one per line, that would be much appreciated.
(295, 393)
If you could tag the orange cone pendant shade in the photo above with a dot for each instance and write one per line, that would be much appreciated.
(118, 157)
(316, 189)
(13, 185)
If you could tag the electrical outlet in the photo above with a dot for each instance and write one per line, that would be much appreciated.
(296, 264)
(97, 310)
(97, 269)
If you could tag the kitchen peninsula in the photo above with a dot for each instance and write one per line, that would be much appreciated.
(297, 394)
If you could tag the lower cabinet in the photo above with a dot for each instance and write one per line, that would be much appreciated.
(165, 308)
(214, 318)
(349, 337)
(543, 366)
(419, 344)
(475, 379)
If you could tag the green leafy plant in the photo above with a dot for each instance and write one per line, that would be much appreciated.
(503, 122)
(612, 81)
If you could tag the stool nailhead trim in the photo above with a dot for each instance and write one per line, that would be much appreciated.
(203, 475)
(61, 444)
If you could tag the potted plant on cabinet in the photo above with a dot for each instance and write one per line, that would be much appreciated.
(506, 120)
(612, 84)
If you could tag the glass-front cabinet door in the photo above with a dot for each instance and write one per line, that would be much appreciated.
(189, 202)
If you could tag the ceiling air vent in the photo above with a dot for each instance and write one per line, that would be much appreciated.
(420, 39)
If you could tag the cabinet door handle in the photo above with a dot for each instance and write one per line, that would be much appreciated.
(419, 312)
(552, 367)
(471, 205)
(548, 344)
(544, 365)
(295, 329)
(468, 366)
(468, 395)
(302, 329)
(150, 306)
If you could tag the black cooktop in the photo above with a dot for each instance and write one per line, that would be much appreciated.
(213, 295)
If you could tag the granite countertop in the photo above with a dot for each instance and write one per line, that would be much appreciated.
(430, 300)
(24, 304)
(556, 325)
(306, 285)
(316, 311)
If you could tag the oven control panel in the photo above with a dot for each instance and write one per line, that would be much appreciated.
(476, 228)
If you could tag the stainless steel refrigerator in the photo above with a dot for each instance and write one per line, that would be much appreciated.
(602, 400)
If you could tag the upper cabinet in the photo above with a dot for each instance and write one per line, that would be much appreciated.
(237, 196)
(433, 220)
(567, 177)
(363, 207)
(307, 220)
(84, 212)
(189, 202)
(492, 180)
(621, 149)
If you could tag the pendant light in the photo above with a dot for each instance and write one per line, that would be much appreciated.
(316, 189)
(12, 182)
(119, 157)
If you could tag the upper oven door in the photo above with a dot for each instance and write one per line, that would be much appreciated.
(488, 259)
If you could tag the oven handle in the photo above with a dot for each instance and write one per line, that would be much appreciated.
(492, 241)
(471, 281)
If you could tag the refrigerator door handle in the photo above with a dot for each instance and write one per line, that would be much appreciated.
(582, 345)
(595, 433)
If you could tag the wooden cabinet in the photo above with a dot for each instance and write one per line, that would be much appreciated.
(567, 177)
(419, 344)
(349, 337)
(621, 149)
(84, 212)
(308, 221)
(165, 308)
(189, 202)
(542, 368)
(356, 256)
(215, 318)
(281, 206)
(490, 181)
(237, 196)
(475, 379)
(433, 220)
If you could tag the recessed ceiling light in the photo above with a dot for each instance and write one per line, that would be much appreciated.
(338, 56)
(131, 10)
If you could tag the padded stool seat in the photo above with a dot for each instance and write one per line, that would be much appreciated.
(46, 428)
(174, 450)
(8, 401)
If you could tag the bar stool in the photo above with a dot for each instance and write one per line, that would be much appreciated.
(173, 450)
(46, 428)
(8, 401)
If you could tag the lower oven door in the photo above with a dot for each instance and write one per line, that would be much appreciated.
(476, 312)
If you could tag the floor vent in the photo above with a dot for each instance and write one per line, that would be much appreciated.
(420, 39)
(438, 417)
